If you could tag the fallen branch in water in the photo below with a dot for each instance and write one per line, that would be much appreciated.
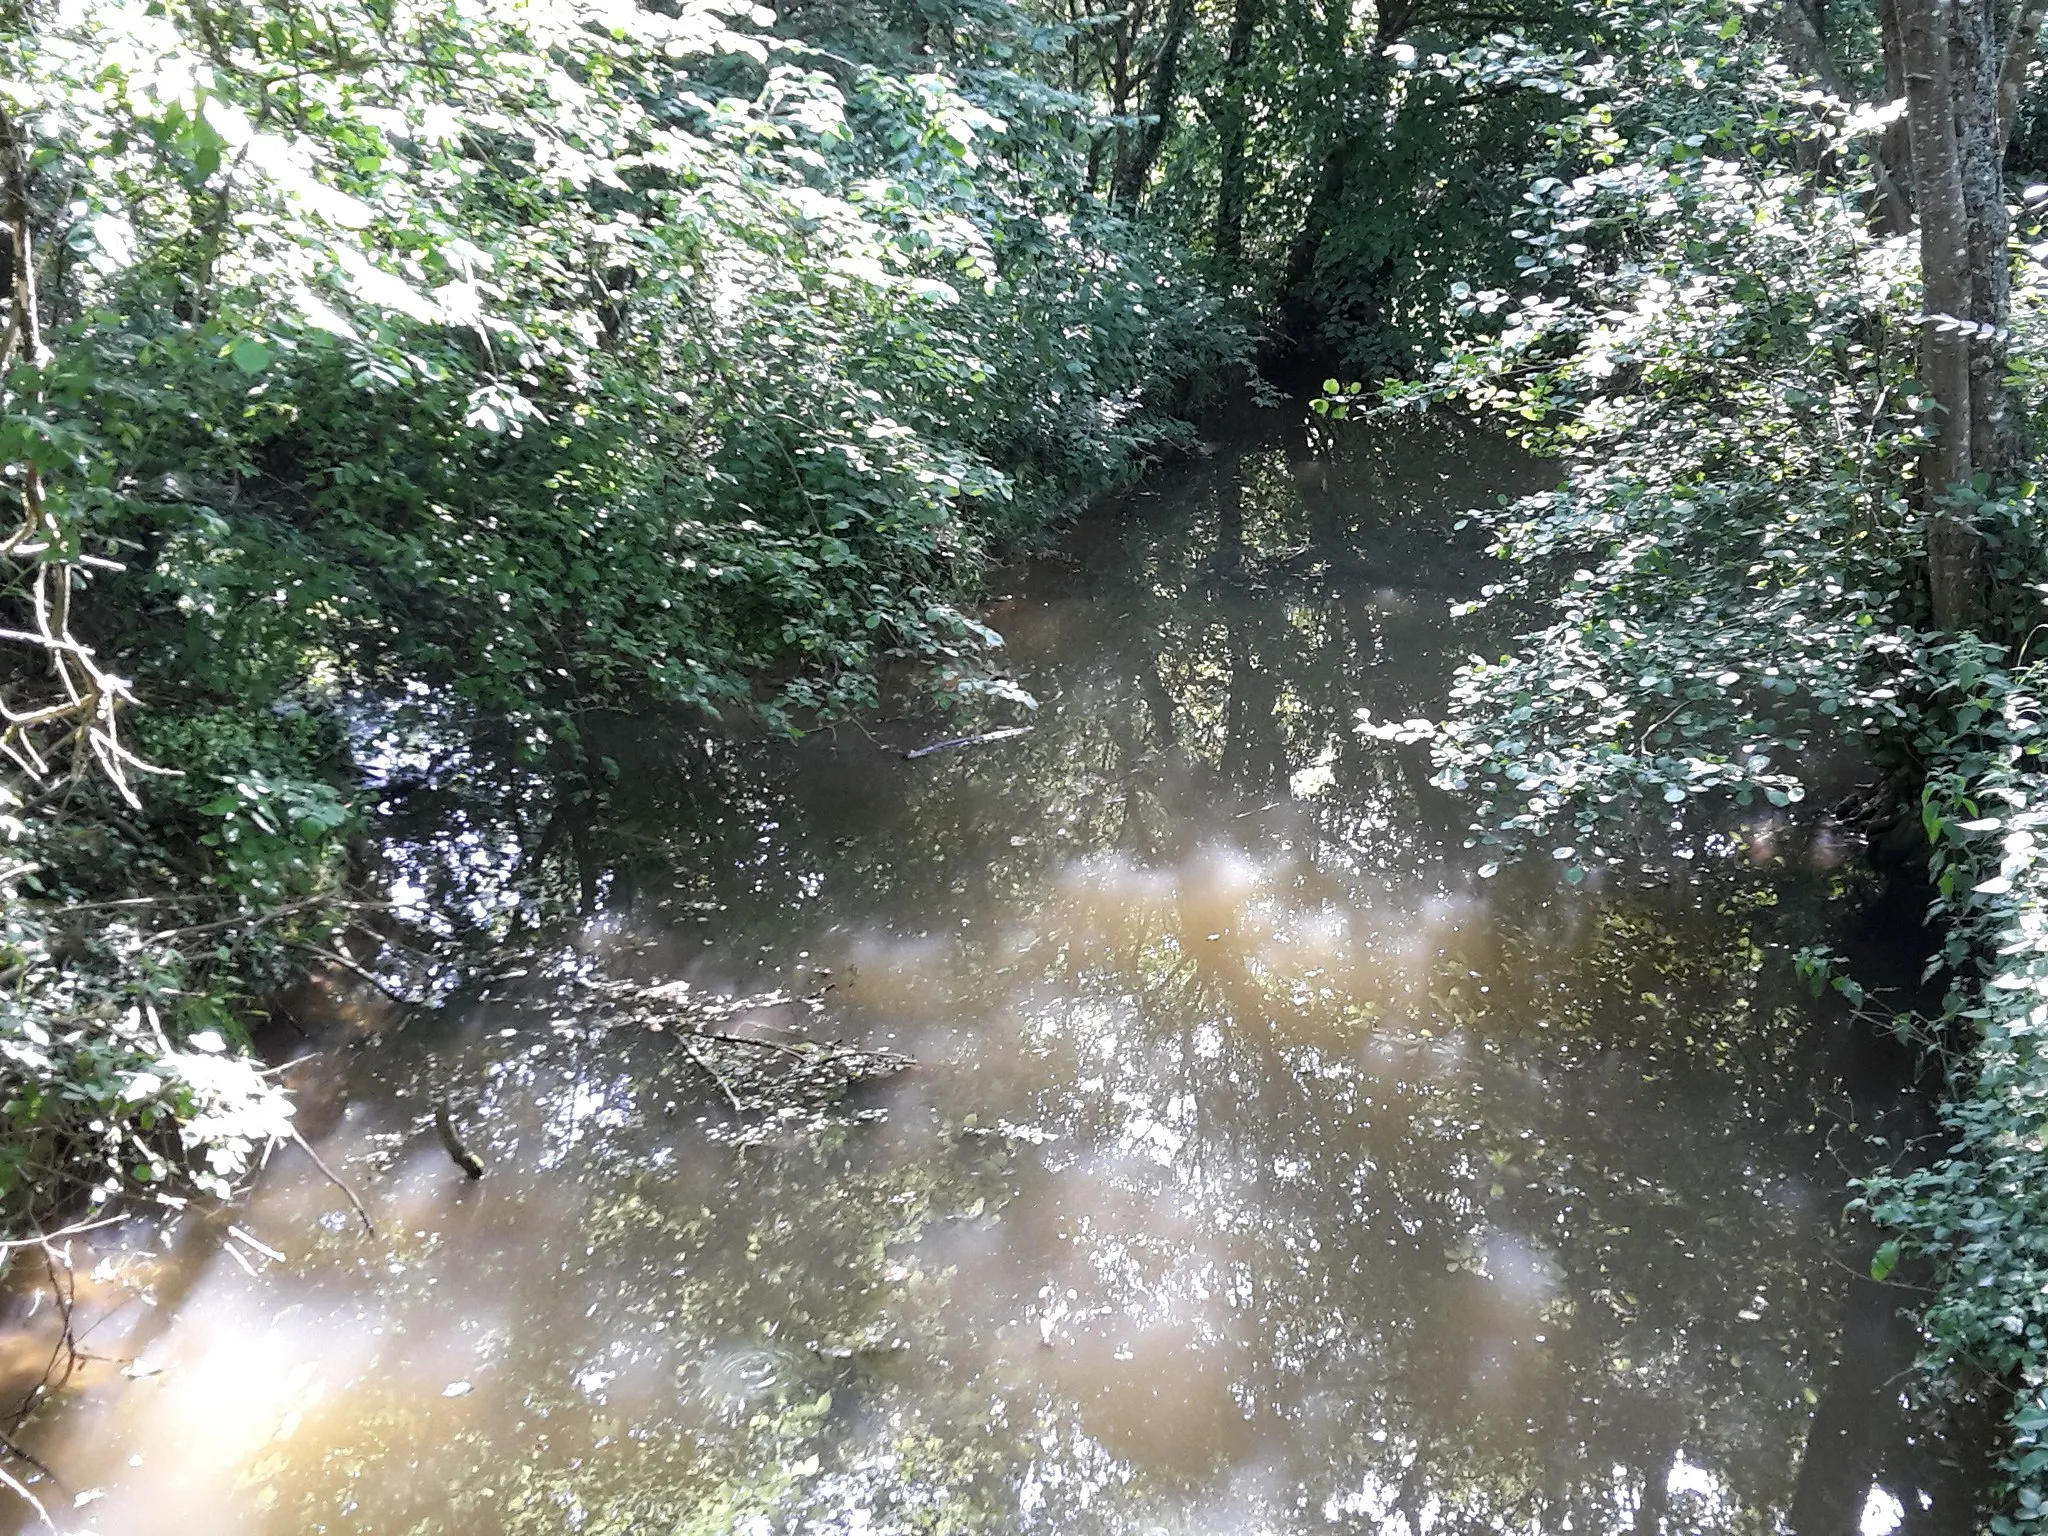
(716, 1076)
(362, 973)
(8, 1479)
(755, 1074)
(969, 741)
(61, 1234)
(337, 1181)
(63, 1292)
(464, 1159)
(8, 1445)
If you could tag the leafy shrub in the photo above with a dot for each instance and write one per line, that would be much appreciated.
(1721, 355)
(529, 357)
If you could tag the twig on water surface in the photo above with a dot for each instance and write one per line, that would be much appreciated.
(337, 1181)
(968, 741)
(8, 1445)
(444, 1127)
(60, 1235)
(9, 1480)
(362, 973)
(286, 1066)
(713, 1073)
(270, 1253)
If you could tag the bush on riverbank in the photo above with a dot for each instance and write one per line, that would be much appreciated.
(526, 356)
(1981, 1210)
(1720, 349)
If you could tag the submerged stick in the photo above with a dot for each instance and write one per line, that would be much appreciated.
(9, 1480)
(465, 1159)
(716, 1076)
(33, 1460)
(337, 1181)
(969, 741)
(705, 1031)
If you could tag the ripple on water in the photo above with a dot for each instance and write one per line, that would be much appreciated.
(734, 1377)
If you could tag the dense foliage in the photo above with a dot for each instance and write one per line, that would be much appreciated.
(511, 360)
(524, 358)
(1715, 337)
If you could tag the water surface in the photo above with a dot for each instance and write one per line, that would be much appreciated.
(1262, 1169)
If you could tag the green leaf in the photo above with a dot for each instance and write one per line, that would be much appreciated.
(250, 355)
(1885, 1260)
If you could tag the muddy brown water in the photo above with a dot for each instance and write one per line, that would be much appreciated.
(1262, 1169)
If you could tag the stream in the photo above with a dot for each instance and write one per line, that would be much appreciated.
(1259, 1167)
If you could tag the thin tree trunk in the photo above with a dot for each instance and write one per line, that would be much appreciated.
(1232, 193)
(2012, 72)
(1161, 96)
(1977, 61)
(1895, 148)
(1351, 146)
(1316, 220)
(1361, 114)
(1954, 556)
(1120, 82)
(1802, 25)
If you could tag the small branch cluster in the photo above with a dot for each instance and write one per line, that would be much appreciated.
(78, 718)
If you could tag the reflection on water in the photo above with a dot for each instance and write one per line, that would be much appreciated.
(1263, 1170)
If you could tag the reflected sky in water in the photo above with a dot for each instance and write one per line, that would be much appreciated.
(1263, 1168)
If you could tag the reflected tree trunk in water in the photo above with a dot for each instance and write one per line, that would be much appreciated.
(1159, 703)
(1863, 1433)
(590, 863)
(1434, 806)
(1656, 1496)
(1254, 753)
(1228, 561)
(1127, 768)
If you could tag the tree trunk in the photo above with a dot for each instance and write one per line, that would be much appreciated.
(1802, 27)
(2012, 72)
(1360, 119)
(1977, 60)
(1317, 218)
(1135, 171)
(1954, 552)
(1895, 148)
(1353, 142)
(1232, 193)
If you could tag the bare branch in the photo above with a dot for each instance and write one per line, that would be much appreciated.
(82, 721)
(9, 1480)
(337, 1181)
